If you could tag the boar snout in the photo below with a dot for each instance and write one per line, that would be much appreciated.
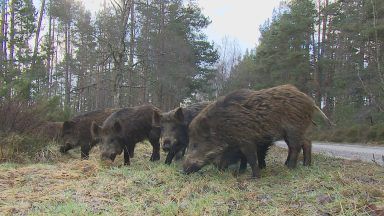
(167, 145)
(65, 147)
(191, 168)
(106, 156)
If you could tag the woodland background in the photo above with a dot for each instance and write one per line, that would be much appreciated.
(58, 60)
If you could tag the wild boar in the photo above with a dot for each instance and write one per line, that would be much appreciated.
(123, 129)
(233, 156)
(77, 131)
(174, 128)
(281, 112)
(174, 136)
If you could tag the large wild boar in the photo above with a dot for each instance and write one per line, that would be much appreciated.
(123, 129)
(174, 136)
(77, 131)
(282, 112)
(174, 128)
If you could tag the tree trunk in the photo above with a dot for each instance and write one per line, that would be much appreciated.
(3, 43)
(131, 55)
(36, 47)
(378, 56)
(2, 33)
(67, 87)
(10, 60)
(318, 70)
(49, 59)
(118, 55)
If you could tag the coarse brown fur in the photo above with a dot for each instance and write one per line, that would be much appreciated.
(282, 112)
(126, 127)
(77, 131)
(174, 128)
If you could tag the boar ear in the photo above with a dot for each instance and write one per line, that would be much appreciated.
(67, 125)
(156, 117)
(95, 130)
(117, 127)
(179, 114)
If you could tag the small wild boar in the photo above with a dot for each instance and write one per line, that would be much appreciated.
(282, 112)
(123, 129)
(174, 128)
(77, 131)
(232, 156)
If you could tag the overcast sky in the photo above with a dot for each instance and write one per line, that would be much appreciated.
(236, 19)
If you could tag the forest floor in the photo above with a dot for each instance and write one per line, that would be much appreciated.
(69, 186)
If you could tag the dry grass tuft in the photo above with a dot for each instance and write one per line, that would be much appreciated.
(69, 186)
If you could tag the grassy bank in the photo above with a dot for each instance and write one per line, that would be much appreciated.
(69, 186)
(351, 134)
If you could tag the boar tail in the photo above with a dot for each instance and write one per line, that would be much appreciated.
(324, 116)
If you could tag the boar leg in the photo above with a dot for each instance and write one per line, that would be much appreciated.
(261, 152)
(295, 143)
(169, 158)
(85, 149)
(131, 150)
(126, 156)
(243, 164)
(183, 152)
(179, 155)
(307, 152)
(155, 149)
(251, 156)
(176, 153)
(289, 154)
(289, 150)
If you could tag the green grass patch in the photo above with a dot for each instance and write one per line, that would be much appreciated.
(69, 186)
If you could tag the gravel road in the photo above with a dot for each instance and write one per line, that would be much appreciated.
(347, 151)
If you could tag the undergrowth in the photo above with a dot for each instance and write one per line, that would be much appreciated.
(352, 134)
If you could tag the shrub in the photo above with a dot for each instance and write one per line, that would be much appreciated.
(21, 148)
(23, 116)
(26, 128)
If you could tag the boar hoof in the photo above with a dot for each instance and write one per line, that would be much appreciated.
(168, 162)
(306, 163)
(291, 165)
(242, 170)
(63, 150)
(262, 166)
(254, 177)
(155, 157)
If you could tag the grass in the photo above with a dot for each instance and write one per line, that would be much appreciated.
(69, 186)
(362, 133)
